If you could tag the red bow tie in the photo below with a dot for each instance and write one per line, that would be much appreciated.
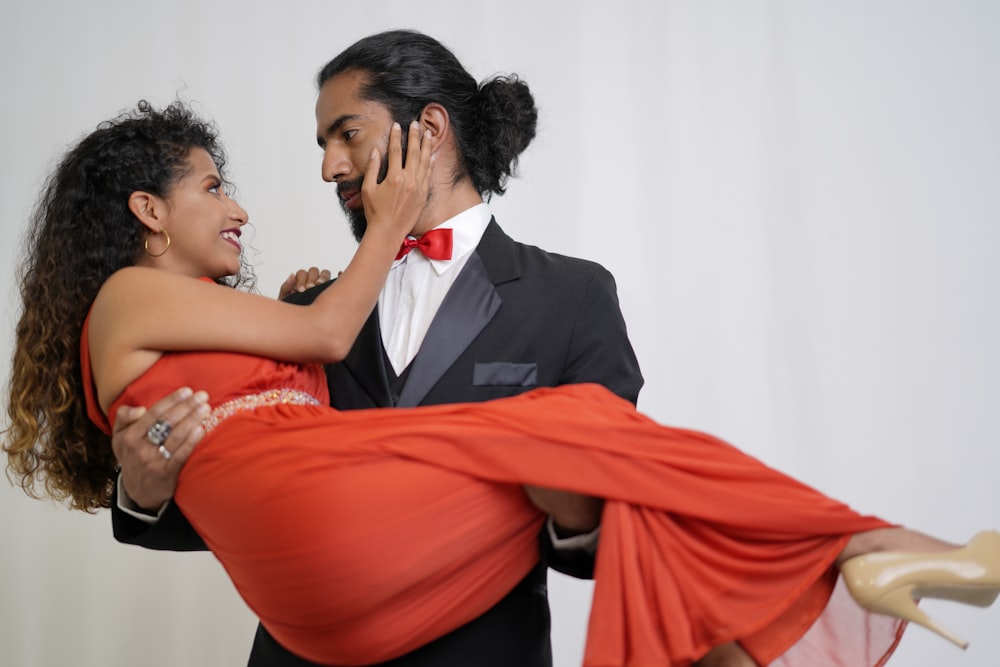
(435, 244)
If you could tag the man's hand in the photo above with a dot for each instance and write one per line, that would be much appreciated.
(302, 280)
(572, 513)
(147, 476)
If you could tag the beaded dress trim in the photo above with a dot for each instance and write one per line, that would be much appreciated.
(254, 401)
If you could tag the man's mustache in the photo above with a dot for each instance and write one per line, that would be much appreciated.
(354, 185)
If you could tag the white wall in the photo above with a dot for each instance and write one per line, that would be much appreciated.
(805, 195)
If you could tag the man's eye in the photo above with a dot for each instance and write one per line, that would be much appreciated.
(349, 134)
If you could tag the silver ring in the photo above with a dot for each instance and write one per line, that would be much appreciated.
(158, 432)
(165, 453)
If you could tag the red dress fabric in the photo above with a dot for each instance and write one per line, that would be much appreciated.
(359, 536)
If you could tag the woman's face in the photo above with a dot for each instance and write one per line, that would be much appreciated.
(204, 224)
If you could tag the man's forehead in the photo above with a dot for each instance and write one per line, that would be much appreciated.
(343, 87)
(341, 95)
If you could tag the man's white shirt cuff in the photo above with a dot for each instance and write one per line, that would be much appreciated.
(584, 542)
(127, 505)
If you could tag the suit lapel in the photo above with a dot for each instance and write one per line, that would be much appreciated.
(469, 306)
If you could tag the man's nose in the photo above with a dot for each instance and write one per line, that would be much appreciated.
(335, 164)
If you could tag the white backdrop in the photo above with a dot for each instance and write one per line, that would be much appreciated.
(800, 202)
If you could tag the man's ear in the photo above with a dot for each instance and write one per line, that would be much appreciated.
(434, 119)
(147, 209)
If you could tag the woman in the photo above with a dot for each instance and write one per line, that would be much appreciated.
(701, 545)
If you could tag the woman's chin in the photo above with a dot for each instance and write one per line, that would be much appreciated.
(221, 274)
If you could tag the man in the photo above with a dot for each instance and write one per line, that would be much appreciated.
(467, 314)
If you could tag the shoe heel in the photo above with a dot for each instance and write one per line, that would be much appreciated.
(899, 603)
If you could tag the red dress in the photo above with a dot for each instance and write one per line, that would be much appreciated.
(358, 536)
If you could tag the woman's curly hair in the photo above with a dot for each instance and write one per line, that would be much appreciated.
(80, 233)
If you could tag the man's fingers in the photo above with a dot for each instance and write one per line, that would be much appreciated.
(181, 411)
(302, 280)
(186, 430)
(314, 277)
(126, 416)
(152, 448)
(287, 287)
(132, 423)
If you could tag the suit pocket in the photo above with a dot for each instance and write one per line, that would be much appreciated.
(505, 374)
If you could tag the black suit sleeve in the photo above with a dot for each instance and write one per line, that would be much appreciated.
(171, 532)
(599, 352)
(307, 297)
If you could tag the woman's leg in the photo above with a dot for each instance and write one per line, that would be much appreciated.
(892, 539)
(727, 655)
(887, 570)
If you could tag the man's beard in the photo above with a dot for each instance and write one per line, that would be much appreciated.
(357, 220)
(356, 217)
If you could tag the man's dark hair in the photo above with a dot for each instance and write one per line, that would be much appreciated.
(405, 71)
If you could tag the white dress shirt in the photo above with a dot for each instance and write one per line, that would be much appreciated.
(416, 286)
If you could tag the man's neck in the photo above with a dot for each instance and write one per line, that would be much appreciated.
(446, 205)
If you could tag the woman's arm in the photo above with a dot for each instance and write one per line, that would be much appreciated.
(141, 312)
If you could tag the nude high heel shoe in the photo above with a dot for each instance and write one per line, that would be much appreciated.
(890, 582)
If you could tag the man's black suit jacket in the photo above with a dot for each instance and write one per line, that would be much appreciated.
(516, 318)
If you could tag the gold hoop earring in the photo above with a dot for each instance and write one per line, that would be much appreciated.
(146, 244)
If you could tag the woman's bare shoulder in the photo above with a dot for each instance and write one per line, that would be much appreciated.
(139, 283)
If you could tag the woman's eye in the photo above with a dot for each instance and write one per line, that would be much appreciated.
(215, 189)
(349, 134)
